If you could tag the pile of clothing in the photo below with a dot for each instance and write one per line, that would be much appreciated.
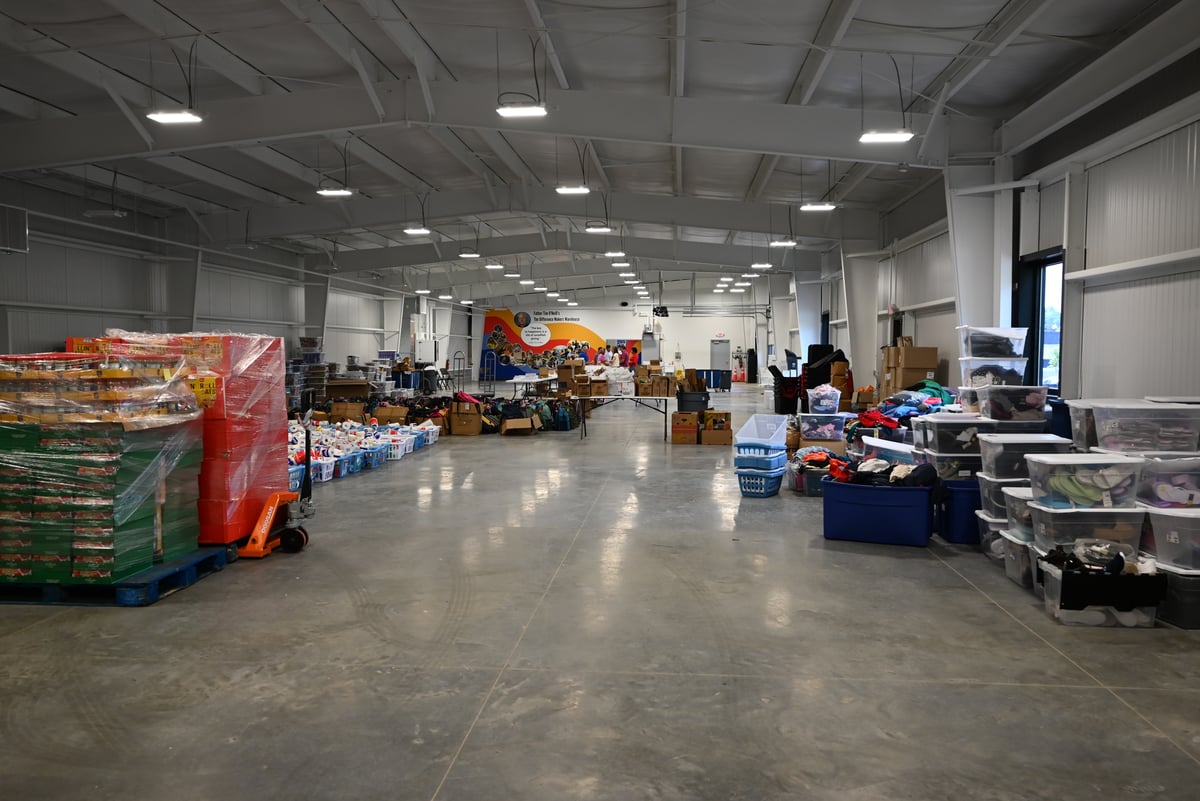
(1009, 403)
(990, 346)
(989, 374)
(881, 473)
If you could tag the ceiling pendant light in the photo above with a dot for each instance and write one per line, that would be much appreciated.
(821, 204)
(718, 291)
(422, 291)
(491, 265)
(520, 104)
(630, 281)
(174, 115)
(527, 282)
(467, 302)
(741, 283)
(562, 300)
(333, 190)
(627, 275)
(887, 136)
(735, 289)
(447, 296)
(621, 263)
(761, 265)
(568, 187)
(514, 271)
(572, 189)
(786, 242)
(540, 288)
(421, 229)
(552, 294)
(750, 275)
(598, 226)
(469, 252)
(614, 254)
(818, 206)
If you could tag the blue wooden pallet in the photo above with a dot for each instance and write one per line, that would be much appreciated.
(142, 589)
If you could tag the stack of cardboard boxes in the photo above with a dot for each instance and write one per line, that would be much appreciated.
(651, 383)
(710, 427)
(905, 365)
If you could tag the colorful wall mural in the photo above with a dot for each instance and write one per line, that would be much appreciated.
(524, 341)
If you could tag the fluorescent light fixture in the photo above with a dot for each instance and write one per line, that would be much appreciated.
(491, 265)
(572, 303)
(885, 137)
(467, 302)
(445, 297)
(521, 110)
(630, 281)
(783, 243)
(737, 290)
(761, 265)
(749, 275)
(639, 288)
(552, 294)
(422, 291)
(627, 275)
(108, 214)
(572, 189)
(741, 283)
(527, 282)
(614, 254)
(726, 278)
(511, 274)
(718, 291)
(335, 191)
(561, 300)
(468, 253)
(177, 116)
(417, 230)
(597, 228)
(818, 207)
(620, 263)
(540, 288)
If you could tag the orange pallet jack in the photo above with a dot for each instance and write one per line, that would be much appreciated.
(280, 525)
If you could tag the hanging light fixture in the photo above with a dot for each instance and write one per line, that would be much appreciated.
(521, 104)
(614, 254)
(580, 188)
(426, 290)
(821, 204)
(735, 289)
(622, 262)
(627, 275)
(446, 296)
(180, 116)
(333, 190)
(574, 301)
(788, 241)
(493, 265)
(469, 252)
(598, 226)
(882, 137)
(423, 228)
(718, 291)
(514, 271)
(467, 302)
(750, 275)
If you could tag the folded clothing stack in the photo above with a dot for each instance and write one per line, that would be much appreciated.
(1082, 480)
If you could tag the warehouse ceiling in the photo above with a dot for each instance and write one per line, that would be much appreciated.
(701, 126)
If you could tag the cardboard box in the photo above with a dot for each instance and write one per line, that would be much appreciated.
(662, 386)
(643, 371)
(891, 357)
(685, 435)
(521, 425)
(391, 414)
(583, 389)
(793, 439)
(899, 379)
(711, 437)
(718, 421)
(644, 387)
(466, 419)
(346, 411)
(566, 375)
(599, 388)
(837, 446)
(912, 358)
(573, 363)
(904, 342)
(543, 372)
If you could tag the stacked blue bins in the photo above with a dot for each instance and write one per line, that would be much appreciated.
(761, 455)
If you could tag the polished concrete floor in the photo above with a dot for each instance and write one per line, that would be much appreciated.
(550, 618)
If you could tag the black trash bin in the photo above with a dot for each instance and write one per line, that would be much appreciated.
(691, 401)
(787, 395)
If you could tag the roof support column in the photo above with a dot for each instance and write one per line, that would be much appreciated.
(1070, 371)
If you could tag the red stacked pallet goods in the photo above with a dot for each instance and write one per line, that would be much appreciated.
(239, 381)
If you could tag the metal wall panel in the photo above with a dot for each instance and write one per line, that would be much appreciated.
(33, 331)
(222, 295)
(925, 272)
(935, 329)
(1146, 202)
(1053, 206)
(886, 293)
(1140, 338)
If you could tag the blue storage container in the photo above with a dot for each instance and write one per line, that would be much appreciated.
(956, 516)
(295, 477)
(885, 515)
(760, 483)
(772, 461)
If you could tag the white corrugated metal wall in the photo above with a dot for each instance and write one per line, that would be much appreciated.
(924, 274)
(1139, 336)
(229, 300)
(353, 326)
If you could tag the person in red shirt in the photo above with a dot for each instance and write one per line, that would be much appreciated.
(623, 357)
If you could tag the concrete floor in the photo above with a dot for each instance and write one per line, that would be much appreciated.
(549, 618)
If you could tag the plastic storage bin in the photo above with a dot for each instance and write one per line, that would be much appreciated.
(1053, 527)
(822, 426)
(1016, 560)
(991, 343)
(1084, 480)
(1004, 454)
(998, 402)
(771, 461)
(374, 458)
(1174, 537)
(824, 400)
(1021, 426)
(1019, 512)
(1170, 483)
(760, 483)
(814, 481)
(1147, 426)
(892, 452)
(1083, 421)
(951, 433)
(322, 469)
(988, 372)
(953, 466)
(956, 518)
(1181, 606)
(885, 515)
(990, 540)
(295, 477)
(762, 434)
(968, 399)
(1097, 599)
(991, 492)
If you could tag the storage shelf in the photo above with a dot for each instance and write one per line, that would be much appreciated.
(1153, 267)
